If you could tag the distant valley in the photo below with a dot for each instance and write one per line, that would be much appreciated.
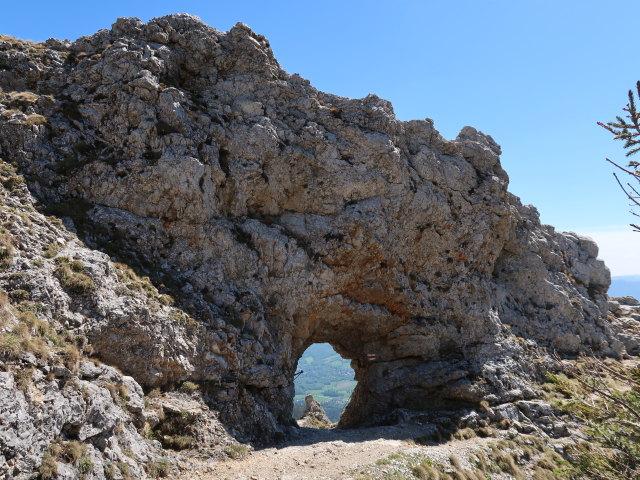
(325, 375)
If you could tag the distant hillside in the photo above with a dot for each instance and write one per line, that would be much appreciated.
(327, 376)
(625, 285)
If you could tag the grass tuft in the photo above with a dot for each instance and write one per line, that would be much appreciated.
(236, 451)
(159, 469)
(48, 467)
(74, 281)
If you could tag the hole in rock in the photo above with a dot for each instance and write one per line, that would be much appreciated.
(327, 377)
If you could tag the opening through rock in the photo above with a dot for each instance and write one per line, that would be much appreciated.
(326, 376)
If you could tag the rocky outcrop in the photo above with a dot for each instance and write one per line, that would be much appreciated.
(61, 413)
(314, 415)
(624, 314)
(277, 216)
(64, 413)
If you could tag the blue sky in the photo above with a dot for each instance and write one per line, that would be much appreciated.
(537, 76)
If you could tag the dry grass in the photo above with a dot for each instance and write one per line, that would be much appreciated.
(5, 311)
(72, 281)
(18, 341)
(189, 387)
(180, 442)
(236, 451)
(6, 250)
(35, 119)
(22, 98)
(70, 356)
(73, 451)
(9, 176)
(49, 467)
(50, 251)
(10, 112)
(159, 469)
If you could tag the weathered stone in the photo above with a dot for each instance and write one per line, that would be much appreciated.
(275, 216)
(313, 415)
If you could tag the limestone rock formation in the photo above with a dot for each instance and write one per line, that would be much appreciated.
(314, 415)
(276, 216)
(61, 411)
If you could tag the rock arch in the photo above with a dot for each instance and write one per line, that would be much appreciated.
(278, 216)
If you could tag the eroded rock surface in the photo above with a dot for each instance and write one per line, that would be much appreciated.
(278, 216)
(314, 415)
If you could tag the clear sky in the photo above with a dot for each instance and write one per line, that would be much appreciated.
(536, 75)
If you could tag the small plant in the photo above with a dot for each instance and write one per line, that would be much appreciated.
(9, 177)
(23, 377)
(123, 392)
(74, 281)
(236, 451)
(154, 393)
(19, 295)
(50, 250)
(507, 464)
(180, 442)
(464, 434)
(13, 344)
(76, 266)
(159, 469)
(109, 470)
(189, 387)
(48, 467)
(124, 468)
(85, 465)
(70, 356)
(35, 119)
(73, 451)
(10, 346)
(426, 472)
(22, 98)
(6, 250)
(166, 300)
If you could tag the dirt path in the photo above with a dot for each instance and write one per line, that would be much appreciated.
(328, 454)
